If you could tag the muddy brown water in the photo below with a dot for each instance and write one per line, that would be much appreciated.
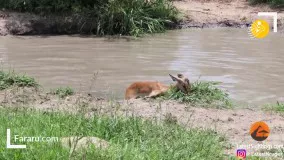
(251, 70)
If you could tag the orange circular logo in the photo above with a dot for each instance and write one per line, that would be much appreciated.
(259, 131)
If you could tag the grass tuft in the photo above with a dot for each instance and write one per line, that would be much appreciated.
(130, 137)
(63, 92)
(204, 94)
(9, 79)
(278, 107)
(138, 17)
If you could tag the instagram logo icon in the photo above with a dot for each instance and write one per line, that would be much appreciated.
(241, 154)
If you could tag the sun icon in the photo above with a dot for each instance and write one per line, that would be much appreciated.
(259, 29)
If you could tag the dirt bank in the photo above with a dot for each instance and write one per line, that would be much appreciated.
(222, 13)
(234, 124)
(12, 23)
(196, 13)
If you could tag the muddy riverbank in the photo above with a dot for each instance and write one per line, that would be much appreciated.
(13, 23)
(198, 14)
(234, 124)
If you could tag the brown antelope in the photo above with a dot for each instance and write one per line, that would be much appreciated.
(153, 89)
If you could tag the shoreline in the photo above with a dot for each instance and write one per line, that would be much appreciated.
(214, 112)
(196, 14)
(228, 122)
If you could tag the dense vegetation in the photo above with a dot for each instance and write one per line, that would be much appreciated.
(273, 3)
(204, 94)
(130, 138)
(107, 17)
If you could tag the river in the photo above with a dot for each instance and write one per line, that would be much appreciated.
(251, 70)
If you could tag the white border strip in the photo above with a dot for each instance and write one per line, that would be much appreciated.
(272, 14)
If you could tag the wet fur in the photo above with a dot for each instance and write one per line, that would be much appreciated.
(153, 89)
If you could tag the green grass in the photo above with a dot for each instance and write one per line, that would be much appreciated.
(130, 138)
(106, 17)
(273, 3)
(278, 107)
(205, 94)
(9, 79)
(63, 91)
(248, 158)
(128, 17)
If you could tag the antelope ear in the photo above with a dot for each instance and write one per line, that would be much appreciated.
(187, 81)
(174, 78)
(180, 75)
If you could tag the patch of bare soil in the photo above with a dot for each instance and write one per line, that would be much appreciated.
(38, 99)
(233, 123)
(229, 13)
